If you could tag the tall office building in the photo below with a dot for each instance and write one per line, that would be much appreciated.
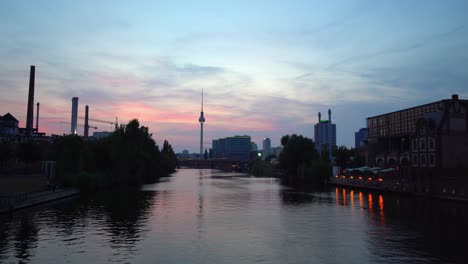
(360, 137)
(235, 148)
(266, 147)
(254, 146)
(325, 134)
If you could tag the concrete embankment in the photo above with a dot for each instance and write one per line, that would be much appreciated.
(9, 203)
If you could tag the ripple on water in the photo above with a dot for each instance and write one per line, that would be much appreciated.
(204, 216)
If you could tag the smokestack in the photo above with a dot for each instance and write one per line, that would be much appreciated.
(86, 126)
(37, 118)
(74, 117)
(319, 117)
(330, 135)
(30, 113)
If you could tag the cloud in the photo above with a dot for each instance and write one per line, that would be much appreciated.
(428, 40)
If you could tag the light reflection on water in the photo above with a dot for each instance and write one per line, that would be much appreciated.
(204, 216)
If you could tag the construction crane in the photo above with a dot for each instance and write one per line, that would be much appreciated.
(80, 125)
(115, 124)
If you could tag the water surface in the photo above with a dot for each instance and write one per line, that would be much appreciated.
(205, 216)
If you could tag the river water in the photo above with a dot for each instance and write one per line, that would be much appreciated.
(206, 216)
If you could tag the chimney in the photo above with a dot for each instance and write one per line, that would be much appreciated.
(86, 125)
(30, 113)
(74, 117)
(319, 117)
(37, 118)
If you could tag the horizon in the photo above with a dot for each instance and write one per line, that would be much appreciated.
(266, 68)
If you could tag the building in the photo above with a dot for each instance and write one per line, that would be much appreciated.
(276, 151)
(266, 147)
(8, 125)
(254, 146)
(389, 134)
(236, 148)
(427, 144)
(185, 154)
(102, 134)
(360, 137)
(325, 134)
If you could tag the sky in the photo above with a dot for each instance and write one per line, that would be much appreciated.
(266, 67)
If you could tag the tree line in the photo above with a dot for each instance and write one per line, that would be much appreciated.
(300, 163)
(128, 157)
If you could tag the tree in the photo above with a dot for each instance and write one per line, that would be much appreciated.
(345, 157)
(342, 156)
(298, 151)
(129, 157)
(29, 152)
(270, 157)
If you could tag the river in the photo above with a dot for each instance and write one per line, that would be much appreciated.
(206, 216)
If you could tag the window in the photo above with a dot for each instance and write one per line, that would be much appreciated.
(423, 159)
(431, 159)
(422, 144)
(431, 144)
(415, 159)
(415, 145)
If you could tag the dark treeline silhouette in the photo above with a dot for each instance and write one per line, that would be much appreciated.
(129, 157)
(301, 163)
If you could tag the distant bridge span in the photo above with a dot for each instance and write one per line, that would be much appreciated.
(220, 164)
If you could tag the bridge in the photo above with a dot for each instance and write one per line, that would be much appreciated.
(219, 164)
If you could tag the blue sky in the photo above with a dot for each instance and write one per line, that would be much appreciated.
(267, 67)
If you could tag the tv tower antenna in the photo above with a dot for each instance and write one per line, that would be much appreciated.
(201, 120)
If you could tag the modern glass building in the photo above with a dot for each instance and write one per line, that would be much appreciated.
(236, 148)
(359, 137)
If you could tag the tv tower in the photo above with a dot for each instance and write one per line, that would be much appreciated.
(201, 120)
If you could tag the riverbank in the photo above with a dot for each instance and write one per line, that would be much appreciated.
(22, 183)
(9, 203)
(401, 188)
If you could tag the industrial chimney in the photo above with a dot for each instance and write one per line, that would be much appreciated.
(30, 113)
(86, 125)
(37, 118)
(74, 116)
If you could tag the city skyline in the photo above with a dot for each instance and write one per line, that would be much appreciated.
(266, 68)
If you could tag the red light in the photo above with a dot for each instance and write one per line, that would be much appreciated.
(351, 177)
(370, 179)
(380, 179)
(360, 178)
